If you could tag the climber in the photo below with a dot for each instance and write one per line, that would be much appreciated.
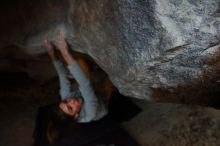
(82, 104)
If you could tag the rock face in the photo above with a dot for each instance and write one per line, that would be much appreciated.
(174, 124)
(140, 44)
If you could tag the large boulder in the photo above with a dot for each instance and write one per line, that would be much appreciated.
(174, 125)
(140, 44)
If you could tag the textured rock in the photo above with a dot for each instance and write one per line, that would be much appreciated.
(174, 124)
(141, 44)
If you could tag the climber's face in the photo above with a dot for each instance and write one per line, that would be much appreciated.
(71, 106)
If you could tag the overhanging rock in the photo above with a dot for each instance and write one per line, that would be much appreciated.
(141, 44)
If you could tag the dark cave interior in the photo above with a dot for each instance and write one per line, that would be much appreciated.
(29, 84)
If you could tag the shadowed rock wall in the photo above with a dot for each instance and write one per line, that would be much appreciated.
(141, 44)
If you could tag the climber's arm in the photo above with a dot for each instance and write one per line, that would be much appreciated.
(87, 92)
(65, 85)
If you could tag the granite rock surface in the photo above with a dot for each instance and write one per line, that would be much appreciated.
(140, 44)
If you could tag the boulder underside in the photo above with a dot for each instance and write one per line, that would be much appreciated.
(141, 44)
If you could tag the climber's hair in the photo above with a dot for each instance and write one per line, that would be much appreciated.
(57, 119)
(49, 120)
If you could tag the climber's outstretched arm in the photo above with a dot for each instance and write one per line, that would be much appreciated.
(65, 85)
